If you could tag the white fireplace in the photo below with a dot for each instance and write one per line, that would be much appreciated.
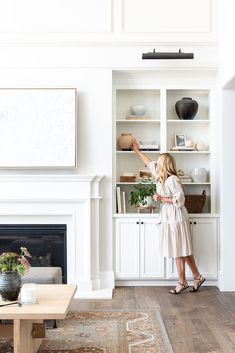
(62, 199)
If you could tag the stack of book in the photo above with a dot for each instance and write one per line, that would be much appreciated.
(185, 178)
(121, 200)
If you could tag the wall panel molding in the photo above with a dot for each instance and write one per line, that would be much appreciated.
(108, 22)
(63, 16)
(168, 16)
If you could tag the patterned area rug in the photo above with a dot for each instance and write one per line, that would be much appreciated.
(105, 332)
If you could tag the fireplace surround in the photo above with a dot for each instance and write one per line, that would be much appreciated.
(70, 200)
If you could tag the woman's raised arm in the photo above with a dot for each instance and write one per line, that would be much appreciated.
(142, 156)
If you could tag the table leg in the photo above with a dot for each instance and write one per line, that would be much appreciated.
(23, 340)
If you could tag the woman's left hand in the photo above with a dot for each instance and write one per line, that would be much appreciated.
(157, 197)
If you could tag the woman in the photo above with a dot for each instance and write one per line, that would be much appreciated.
(175, 232)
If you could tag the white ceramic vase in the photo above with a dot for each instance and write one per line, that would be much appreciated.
(198, 175)
(138, 109)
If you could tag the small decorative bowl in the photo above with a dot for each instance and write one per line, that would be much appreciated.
(138, 109)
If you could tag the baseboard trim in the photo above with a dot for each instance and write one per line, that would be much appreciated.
(163, 283)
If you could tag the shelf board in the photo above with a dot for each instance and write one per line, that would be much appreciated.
(132, 152)
(139, 182)
(148, 121)
(197, 121)
(189, 152)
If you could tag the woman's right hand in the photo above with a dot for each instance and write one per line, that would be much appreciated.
(135, 146)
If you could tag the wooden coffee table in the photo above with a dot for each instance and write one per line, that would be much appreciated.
(28, 328)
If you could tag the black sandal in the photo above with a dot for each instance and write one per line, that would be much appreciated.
(184, 286)
(199, 282)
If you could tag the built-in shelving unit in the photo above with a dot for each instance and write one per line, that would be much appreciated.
(136, 234)
(161, 126)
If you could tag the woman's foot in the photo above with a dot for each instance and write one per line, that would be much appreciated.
(197, 283)
(179, 288)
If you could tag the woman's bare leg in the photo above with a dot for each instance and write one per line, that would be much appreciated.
(198, 278)
(180, 264)
(192, 265)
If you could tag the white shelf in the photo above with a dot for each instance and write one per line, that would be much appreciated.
(189, 152)
(154, 215)
(132, 152)
(148, 121)
(139, 182)
(193, 121)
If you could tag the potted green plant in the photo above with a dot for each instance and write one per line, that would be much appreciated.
(12, 267)
(142, 195)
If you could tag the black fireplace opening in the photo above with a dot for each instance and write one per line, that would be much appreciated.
(46, 243)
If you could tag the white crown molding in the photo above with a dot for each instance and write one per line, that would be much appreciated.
(108, 43)
(208, 26)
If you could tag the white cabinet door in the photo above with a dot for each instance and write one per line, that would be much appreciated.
(151, 264)
(127, 248)
(206, 246)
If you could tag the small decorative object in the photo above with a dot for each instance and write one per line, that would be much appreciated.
(198, 175)
(144, 174)
(138, 109)
(189, 143)
(195, 203)
(180, 172)
(125, 141)
(142, 195)
(201, 146)
(12, 266)
(28, 293)
(148, 146)
(180, 140)
(127, 178)
(186, 108)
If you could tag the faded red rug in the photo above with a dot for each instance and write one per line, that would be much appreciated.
(105, 332)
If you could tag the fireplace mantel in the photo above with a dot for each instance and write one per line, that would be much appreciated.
(63, 199)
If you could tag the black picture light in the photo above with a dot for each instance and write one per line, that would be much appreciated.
(167, 55)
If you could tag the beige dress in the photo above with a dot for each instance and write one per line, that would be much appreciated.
(175, 232)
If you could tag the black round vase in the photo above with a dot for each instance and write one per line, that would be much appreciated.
(186, 108)
(10, 284)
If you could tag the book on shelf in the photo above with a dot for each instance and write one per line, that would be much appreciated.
(119, 203)
(123, 202)
(185, 178)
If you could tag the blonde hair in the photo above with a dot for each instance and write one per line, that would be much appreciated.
(166, 167)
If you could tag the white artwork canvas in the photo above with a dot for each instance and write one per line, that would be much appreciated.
(37, 128)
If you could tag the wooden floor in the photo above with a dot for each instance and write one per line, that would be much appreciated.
(202, 322)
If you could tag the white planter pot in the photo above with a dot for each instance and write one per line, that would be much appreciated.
(148, 201)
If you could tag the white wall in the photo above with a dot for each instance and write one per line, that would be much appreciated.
(226, 81)
(227, 277)
(226, 40)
